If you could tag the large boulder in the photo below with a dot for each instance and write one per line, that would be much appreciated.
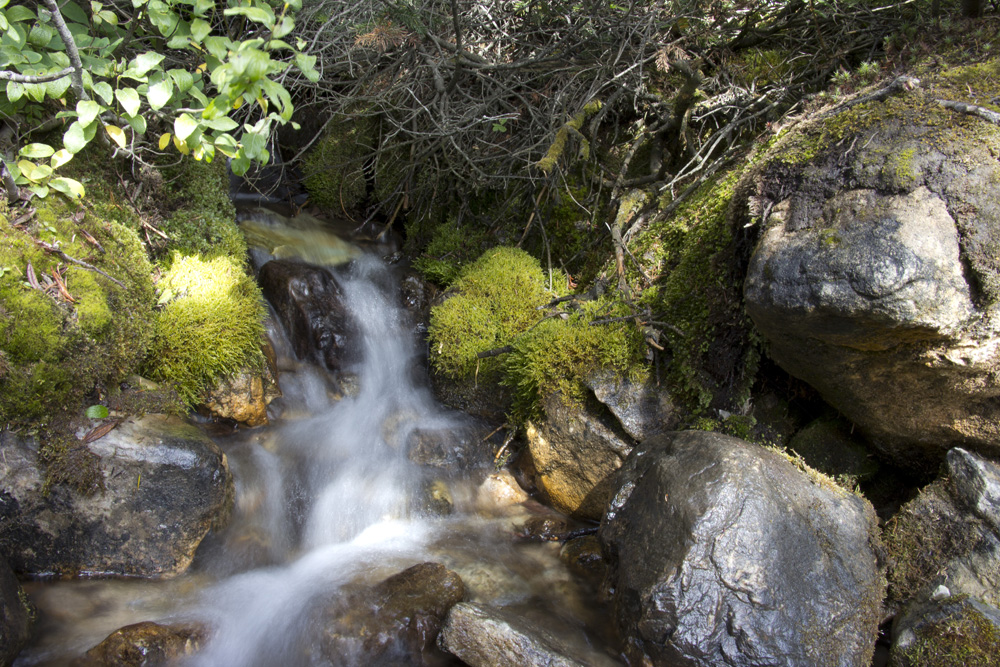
(723, 552)
(309, 304)
(875, 277)
(161, 486)
(575, 452)
(16, 615)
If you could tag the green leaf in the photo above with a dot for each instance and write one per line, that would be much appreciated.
(39, 172)
(36, 151)
(259, 14)
(219, 47)
(78, 136)
(108, 16)
(17, 35)
(41, 35)
(222, 124)
(253, 144)
(227, 145)
(182, 78)
(160, 93)
(144, 62)
(35, 91)
(97, 412)
(88, 111)
(41, 191)
(161, 16)
(59, 158)
(240, 164)
(307, 65)
(184, 126)
(180, 37)
(14, 91)
(105, 92)
(200, 29)
(68, 186)
(286, 26)
(74, 12)
(201, 7)
(117, 135)
(19, 13)
(56, 89)
(138, 123)
(129, 99)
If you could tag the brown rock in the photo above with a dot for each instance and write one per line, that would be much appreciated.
(145, 644)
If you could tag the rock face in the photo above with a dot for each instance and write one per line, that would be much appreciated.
(722, 552)
(575, 453)
(15, 616)
(309, 304)
(875, 277)
(244, 398)
(394, 622)
(145, 644)
(483, 636)
(165, 486)
(642, 410)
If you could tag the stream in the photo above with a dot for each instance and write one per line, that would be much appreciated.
(327, 500)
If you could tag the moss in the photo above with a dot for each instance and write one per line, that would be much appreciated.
(450, 248)
(333, 173)
(964, 637)
(202, 220)
(211, 326)
(57, 349)
(570, 127)
(496, 298)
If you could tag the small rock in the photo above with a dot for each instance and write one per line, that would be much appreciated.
(499, 490)
(583, 557)
(643, 410)
(146, 644)
(245, 396)
(827, 446)
(16, 614)
(437, 498)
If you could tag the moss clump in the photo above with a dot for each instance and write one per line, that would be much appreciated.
(211, 326)
(496, 298)
(334, 173)
(202, 220)
(55, 349)
(447, 252)
(964, 637)
(558, 354)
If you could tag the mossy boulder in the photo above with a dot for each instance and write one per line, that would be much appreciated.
(875, 276)
(334, 170)
(954, 632)
(66, 328)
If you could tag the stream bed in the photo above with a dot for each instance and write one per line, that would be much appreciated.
(327, 500)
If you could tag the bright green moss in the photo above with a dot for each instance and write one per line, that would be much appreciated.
(211, 327)
(203, 220)
(448, 250)
(333, 171)
(497, 297)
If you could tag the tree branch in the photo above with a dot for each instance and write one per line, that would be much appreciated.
(35, 78)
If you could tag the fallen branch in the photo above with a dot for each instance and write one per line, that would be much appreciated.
(971, 109)
(54, 249)
(496, 352)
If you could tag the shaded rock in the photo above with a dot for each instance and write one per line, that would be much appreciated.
(437, 498)
(875, 277)
(951, 632)
(575, 452)
(583, 557)
(16, 615)
(393, 622)
(552, 529)
(827, 446)
(462, 446)
(948, 536)
(483, 636)
(244, 397)
(487, 400)
(146, 644)
(309, 304)
(165, 485)
(418, 295)
(722, 552)
(643, 410)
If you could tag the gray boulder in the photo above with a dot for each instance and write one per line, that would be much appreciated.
(722, 552)
(875, 276)
(163, 485)
(16, 615)
(484, 636)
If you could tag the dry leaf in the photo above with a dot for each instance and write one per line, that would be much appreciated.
(101, 431)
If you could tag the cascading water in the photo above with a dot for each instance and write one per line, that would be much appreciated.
(326, 497)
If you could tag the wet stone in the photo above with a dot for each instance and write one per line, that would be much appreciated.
(146, 644)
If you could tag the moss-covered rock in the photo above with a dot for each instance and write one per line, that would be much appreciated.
(956, 633)
(211, 326)
(333, 171)
(58, 343)
(200, 218)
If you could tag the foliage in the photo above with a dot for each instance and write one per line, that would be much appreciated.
(58, 344)
(211, 325)
(495, 299)
(209, 71)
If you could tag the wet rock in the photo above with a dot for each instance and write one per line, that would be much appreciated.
(165, 485)
(723, 552)
(499, 490)
(437, 498)
(575, 452)
(483, 636)
(309, 304)
(875, 277)
(949, 632)
(949, 536)
(583, 557)
(244, 397)
(16, 614)
(827, 446)
(643, 410)
(146, 644)
(552, 529)
(394, 622)
(457, 446)
(486, 400)
(418, 294)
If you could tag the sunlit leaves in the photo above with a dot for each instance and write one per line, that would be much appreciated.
(36, 151)
(88, 111)
(160, 93)
(129, 99)
(117, 135)
(68, 186)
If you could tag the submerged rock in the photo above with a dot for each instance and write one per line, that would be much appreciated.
(309, 304)
(145, 644)
(394, 622)
(16, 615)
(723, 552)
(165, 485)
(875, 276)
(575, 453)
(484, 636)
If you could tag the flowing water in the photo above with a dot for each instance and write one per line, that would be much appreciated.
(327, 498)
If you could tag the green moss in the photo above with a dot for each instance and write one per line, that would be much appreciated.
(203, 220)
(570, 127)
(211, 328)
(965, 637)
(450, 248)
(497, 298)
(333, 171)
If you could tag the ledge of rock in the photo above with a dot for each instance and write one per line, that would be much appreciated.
(165, 485)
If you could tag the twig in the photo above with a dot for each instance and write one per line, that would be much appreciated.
(971, 109)
(54, 249)
(35, 78)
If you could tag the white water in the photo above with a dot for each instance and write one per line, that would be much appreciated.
(325, 497)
